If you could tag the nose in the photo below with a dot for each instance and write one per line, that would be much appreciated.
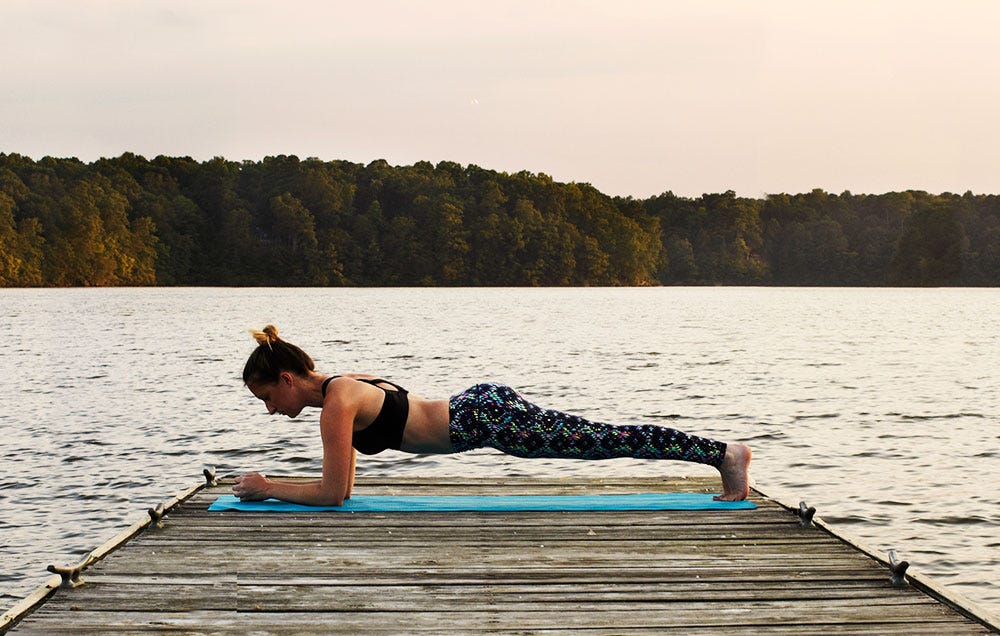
(271, 410)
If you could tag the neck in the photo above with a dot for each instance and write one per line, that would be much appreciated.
(312, 386)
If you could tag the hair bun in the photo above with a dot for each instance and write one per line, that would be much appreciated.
(266, 337)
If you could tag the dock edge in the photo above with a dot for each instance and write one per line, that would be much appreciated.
(25, 606)
(957, 601)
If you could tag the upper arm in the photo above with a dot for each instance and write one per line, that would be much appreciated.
(337, 430)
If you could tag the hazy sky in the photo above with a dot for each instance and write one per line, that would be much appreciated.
(634, 97)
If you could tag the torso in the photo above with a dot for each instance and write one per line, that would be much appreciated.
(394, 418)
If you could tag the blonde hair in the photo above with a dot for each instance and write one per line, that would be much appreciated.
(272, 357)
(265, 337)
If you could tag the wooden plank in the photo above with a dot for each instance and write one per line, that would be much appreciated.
(329, 625)
(260, 595)
(719, 619)
(506, 552)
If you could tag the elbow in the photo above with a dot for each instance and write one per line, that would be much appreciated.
(327, 500)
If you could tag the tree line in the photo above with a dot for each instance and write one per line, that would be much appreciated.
(284, 221)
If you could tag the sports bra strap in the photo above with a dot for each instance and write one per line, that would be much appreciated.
(327, 381)
(374, 382)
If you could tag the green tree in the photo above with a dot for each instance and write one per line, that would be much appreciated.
(683, 265)
(174, 220)
(20, 248)
(293, 244)
(930, 249)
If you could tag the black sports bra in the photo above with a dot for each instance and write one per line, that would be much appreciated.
(386, 430)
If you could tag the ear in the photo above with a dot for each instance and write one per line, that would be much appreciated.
(286, 378)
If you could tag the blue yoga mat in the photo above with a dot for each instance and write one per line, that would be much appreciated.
(494, 503)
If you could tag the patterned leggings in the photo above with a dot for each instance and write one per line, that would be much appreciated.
(496, 416)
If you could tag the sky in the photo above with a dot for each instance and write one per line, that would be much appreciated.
(634, 97)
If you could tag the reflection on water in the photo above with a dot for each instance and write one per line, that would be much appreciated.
(878, 406)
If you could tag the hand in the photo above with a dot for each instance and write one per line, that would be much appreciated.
(252, 487)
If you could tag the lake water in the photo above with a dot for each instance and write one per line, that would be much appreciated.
(878, 406)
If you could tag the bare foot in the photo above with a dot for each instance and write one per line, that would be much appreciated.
(735, 471)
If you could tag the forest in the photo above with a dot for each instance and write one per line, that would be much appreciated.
(283, 221)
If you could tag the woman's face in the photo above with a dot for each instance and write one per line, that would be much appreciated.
(280, 397)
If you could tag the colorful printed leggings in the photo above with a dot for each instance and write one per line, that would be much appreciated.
(496, 416)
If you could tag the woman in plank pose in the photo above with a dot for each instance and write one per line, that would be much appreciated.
(368, 414)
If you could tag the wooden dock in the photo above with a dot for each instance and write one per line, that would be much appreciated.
(707, 572)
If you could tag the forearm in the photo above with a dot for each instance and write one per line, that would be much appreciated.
(312, 493)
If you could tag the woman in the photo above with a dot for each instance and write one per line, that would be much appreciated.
(369, 414)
